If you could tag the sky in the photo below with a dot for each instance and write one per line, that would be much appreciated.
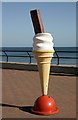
(59, 19)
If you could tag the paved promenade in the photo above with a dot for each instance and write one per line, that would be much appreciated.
(21, 88)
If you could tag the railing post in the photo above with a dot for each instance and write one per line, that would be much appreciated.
(7, 58)
(58, 61)
(57, 57)
(29, 56)
(30, 59)
(6, 55)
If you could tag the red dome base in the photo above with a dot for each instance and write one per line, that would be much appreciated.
(45, 105)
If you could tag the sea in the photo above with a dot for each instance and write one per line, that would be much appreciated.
(27, 59)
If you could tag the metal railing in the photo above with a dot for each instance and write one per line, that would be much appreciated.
(31, 56)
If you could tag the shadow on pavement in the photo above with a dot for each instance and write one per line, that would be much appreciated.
(23, 108)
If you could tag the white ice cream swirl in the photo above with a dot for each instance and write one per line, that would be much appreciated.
(43, 41)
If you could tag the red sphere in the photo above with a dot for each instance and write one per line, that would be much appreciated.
(45, 105)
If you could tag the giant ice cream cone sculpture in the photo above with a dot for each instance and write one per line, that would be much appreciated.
(43, 53)
(43, 59)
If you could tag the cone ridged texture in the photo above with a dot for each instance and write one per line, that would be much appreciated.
(43, 59)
